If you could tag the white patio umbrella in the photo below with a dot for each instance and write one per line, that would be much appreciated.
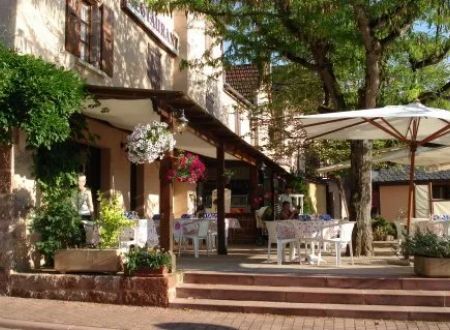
(436, 158)
(413, 124)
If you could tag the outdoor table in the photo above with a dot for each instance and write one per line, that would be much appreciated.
(144, 232)
(308, 231)
(189, 225)
(439, 227)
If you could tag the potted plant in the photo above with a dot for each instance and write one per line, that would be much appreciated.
(431, 254)
(149, 142)
(228, 174)
(147, 262)
(189, 168)
(382, 229)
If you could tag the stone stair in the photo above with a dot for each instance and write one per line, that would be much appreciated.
(407, 298)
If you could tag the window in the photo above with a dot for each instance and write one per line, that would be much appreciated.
(441, 191)
(89, 33)
(154, 67)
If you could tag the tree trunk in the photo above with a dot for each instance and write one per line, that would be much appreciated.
(361, 196)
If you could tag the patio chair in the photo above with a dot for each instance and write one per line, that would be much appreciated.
(127, 239)
(273, 237)
(341, 242)
(196, 236)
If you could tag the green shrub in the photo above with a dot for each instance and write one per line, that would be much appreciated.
(111, 221)
(147, 258)
(381, 228)
(426, 245)
(38, 97)
(58, 225)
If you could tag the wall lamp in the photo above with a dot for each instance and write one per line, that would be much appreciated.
(181, 122)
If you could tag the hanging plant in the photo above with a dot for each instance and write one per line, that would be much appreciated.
(149, 142)
(189, 168)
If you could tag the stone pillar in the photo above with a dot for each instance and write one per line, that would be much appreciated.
(6, 214)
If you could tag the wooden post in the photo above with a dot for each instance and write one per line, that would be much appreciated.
(222, 248)
(253, 185)
(411, 189)
(166, 197)
(272, 191)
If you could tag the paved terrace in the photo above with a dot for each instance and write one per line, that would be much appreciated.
(19, 313)
(251, 259)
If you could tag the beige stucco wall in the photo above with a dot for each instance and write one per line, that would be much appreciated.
(318, 195)
(181, 204)
(392, 199)
(40, 30)
(119, 166)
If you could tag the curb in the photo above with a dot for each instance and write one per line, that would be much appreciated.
(32, 325)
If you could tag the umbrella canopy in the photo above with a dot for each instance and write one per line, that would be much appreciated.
(407, 123)
(414, 124)
(432, 158)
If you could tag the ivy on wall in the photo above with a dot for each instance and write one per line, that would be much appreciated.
(37, 97)
(45, 102)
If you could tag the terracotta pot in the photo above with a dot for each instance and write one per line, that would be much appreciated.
(432, 267)
(148, 272)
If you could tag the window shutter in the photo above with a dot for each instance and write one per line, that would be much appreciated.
(73, 27)
(107, 41)
(96, 32)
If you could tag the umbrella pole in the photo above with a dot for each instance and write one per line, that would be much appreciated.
(411, 188)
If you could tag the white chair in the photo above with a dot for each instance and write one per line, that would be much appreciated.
(273, 237)
(127, 238)
(341, 242)
(271, 227)
(200, 234)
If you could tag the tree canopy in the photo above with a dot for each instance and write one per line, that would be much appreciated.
(364, 53)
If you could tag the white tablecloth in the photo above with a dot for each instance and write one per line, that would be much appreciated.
(190, 225)
(287, 229)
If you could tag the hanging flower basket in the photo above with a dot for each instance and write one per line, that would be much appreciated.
(149, 142)
(189, 168)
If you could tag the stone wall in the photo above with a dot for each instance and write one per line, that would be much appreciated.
(108, 289)
(6, 209)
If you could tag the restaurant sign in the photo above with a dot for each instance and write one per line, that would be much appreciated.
(150, 21)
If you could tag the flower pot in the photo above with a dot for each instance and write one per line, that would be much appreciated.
(148, 272)
(432, 267)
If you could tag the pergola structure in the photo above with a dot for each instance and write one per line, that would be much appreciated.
(203, 128)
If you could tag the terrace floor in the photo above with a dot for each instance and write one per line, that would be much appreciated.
(252, 259)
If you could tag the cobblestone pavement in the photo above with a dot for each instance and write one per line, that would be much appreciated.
(130, 317)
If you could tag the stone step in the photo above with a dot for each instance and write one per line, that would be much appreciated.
(318, 309)
(319, 281)
(384, 244)
(314, 295)
(384, 252)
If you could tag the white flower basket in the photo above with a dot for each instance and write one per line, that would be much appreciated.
(149, 142)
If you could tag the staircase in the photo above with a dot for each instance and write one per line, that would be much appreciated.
(324, 296)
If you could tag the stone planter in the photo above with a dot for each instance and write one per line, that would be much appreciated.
(88, 261)
(147, 272)
(432, 267)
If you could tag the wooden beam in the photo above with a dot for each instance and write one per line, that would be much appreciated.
(222, 246)
(166, 199)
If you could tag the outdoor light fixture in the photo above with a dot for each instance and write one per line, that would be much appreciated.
(181, 122)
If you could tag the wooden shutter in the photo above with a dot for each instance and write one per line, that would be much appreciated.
(95, 35)
(73, 27)
(107, 41)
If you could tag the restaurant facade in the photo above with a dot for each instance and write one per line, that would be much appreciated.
(130, 58)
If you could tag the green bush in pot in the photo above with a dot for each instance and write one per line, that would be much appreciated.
(426, 245)
(381, 228)
(147, 259)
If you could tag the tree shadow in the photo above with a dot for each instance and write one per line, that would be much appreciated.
(191, 326)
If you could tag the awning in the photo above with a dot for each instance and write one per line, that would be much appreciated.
(126, 107)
